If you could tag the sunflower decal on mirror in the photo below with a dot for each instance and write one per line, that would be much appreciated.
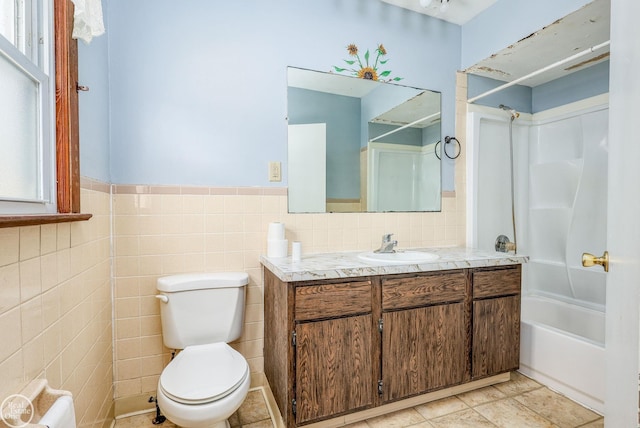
(364, 70)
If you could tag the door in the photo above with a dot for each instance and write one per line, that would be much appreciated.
(393, 177)
(496, 336)
(423, 349)
(307, 168)
(623, 232)
(334, 367)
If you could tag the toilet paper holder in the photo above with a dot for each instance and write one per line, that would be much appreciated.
(36, 398)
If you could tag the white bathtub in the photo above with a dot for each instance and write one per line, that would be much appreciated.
(562, 346)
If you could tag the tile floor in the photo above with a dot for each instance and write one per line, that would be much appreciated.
(519, 403)
(253, 413)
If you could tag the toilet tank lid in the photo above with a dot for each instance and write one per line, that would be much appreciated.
(201, 281)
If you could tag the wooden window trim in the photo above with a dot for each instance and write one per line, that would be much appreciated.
(67, 126)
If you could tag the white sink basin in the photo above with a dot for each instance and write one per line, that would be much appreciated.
(399, 257)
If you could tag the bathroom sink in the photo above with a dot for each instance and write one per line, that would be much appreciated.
(399, 257)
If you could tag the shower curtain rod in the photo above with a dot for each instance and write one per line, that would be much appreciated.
(404, 127)
(540, 71)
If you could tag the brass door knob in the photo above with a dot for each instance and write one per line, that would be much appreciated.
(589, 260)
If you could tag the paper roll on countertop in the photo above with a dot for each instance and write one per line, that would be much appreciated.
(277, 248)
(276, 231)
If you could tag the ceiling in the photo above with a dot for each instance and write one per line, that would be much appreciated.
(587, 27)
(577, 32)
(568, 36)
(458, 12)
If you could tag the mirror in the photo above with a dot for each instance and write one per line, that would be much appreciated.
(357, 145)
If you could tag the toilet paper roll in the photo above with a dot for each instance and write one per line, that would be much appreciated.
(276, 231)
(296, 251)
(277, 248)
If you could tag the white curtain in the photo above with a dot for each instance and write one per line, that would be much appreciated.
(87, 19)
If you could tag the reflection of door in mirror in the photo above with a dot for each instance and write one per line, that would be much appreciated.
(355, 111)
(307, 168)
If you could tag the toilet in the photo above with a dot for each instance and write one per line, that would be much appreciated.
(208, 380)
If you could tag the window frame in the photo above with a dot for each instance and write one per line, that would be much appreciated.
(67, 126)
(67, 131)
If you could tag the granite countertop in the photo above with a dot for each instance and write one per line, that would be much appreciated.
(348, 265)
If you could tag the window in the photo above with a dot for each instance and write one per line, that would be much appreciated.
(27, 149)
(38, 113)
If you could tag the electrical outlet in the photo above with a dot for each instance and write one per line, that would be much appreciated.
(275, 173)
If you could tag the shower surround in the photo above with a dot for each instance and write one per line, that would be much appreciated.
(560, 175)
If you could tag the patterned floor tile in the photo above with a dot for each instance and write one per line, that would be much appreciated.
(252, 414)
(595, 424)
(254, 409)
(142, 421)
(520, 402)
(481, 396)
(509, 413)
(362, 424)
(399, 419)
(465, 419)
(557, 408)
(517, 385)
(441, 407)
(261, 424)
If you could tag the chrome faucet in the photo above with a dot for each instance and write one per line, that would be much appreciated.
(387, 244)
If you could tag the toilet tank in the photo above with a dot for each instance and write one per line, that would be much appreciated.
(201, 308)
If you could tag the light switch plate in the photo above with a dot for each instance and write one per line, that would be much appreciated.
(275, 171)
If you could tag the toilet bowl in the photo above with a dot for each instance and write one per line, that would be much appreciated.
(208, 380)
(203, 386)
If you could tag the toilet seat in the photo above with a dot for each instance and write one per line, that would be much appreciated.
(203, 374)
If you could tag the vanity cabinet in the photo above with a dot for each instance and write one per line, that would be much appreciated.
(339, 346)
(424, 333)
(333, 340)
(496, 321)
(322, 346)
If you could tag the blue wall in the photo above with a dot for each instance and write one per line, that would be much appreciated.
(195, 92)
(342, 116)
(93, 71)
(517, 96)
(408, 136)
(574, 87)
(198, 88)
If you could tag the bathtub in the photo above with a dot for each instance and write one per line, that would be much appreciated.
(562, 347)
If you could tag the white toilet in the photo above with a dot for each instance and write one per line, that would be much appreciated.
(208, 380)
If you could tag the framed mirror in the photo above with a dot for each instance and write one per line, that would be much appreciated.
(357, 145)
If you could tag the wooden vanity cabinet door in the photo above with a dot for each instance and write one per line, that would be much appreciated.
(424, 335)
(336, 343)
(496, 336)
(334, 367)
(496, 322)
(423, 349)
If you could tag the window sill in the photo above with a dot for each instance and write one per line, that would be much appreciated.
(34, 220)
